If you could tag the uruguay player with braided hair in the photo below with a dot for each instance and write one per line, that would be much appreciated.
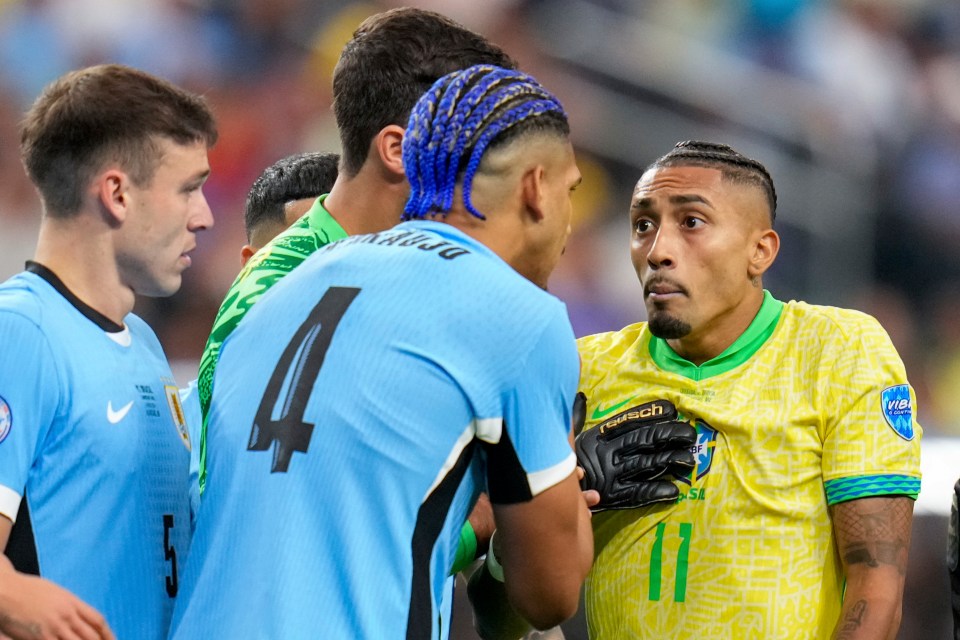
(400, 373)
(795, 521)
(391, 60)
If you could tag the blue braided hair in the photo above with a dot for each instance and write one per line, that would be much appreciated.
(454, 123)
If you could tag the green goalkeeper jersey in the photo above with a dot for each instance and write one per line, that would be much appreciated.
(279, 257)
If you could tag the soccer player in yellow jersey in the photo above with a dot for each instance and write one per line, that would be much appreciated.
(795, 522)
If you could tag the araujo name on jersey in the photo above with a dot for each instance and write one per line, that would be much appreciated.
(405, 238)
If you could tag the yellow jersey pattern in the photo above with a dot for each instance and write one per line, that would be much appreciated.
(809, 407)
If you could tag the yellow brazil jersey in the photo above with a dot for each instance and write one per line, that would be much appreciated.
(808, 408)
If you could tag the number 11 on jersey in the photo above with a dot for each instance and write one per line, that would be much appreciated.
(683, 555)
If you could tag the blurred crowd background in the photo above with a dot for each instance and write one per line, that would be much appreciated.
(853, 105)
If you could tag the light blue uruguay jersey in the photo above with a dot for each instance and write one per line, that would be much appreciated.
(358, 409)
(190, 401)
(93, 454)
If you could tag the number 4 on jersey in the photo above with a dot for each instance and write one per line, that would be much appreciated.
(292, 381)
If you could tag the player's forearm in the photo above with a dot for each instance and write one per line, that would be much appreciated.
(868, 618)
(547, 549)
(474, 535)
(493, 616)
(10, 622)
(585, 541)
(481, 519)
(8, 582)
(873, 538)
(547, 592)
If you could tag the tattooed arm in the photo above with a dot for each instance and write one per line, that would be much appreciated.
(873, 536)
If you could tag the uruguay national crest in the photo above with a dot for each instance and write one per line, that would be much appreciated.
(898, 410)
(702, 452)
(6, 419)
(176, 410)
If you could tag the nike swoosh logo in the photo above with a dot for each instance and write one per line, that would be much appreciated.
(113, 417)
(599, 413)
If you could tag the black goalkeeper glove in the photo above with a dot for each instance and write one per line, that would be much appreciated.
(626, 457)
(953, 559)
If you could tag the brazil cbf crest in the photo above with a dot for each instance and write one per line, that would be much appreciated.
(702, 452)
(898, 410)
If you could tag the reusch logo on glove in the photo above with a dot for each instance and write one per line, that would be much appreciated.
(632, 458)
(653, 409)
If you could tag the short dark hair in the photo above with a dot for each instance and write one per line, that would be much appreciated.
(392, 59)
(302, 175)
(464, 115)
(104, 113)
(734, 166)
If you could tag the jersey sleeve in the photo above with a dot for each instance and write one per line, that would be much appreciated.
(533, 451)
(190, 402)
(871, 437)
(29, 398)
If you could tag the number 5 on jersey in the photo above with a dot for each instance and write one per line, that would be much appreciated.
(296, 372)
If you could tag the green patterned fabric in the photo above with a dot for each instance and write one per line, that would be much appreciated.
(279, 257)
(843, 489)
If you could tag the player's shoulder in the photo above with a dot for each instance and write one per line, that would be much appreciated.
(606, 358)
(602, 353)
(142, 332)
(283, 252)
(610, 343)
(22, 297)
(829, 321)
(474, 269)
(522, 308)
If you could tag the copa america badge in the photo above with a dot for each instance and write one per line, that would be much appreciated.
(898, 410)
(6, 419)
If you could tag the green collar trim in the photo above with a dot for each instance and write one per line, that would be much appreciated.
(323, 223)
(733, 356)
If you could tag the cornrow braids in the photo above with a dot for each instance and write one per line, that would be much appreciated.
(734, 165)
(417, 136)
(446, 133)
(463, 115)
(464, 127)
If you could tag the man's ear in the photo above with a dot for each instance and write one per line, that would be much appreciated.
(111, 189)
(531, 192)
(766, 246)
(388, 144)
(246, 252)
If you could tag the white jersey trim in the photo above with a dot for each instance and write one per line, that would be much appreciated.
(123, 338)
(9, 503)
(542, 480)
(489, 429)
(465, 438)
